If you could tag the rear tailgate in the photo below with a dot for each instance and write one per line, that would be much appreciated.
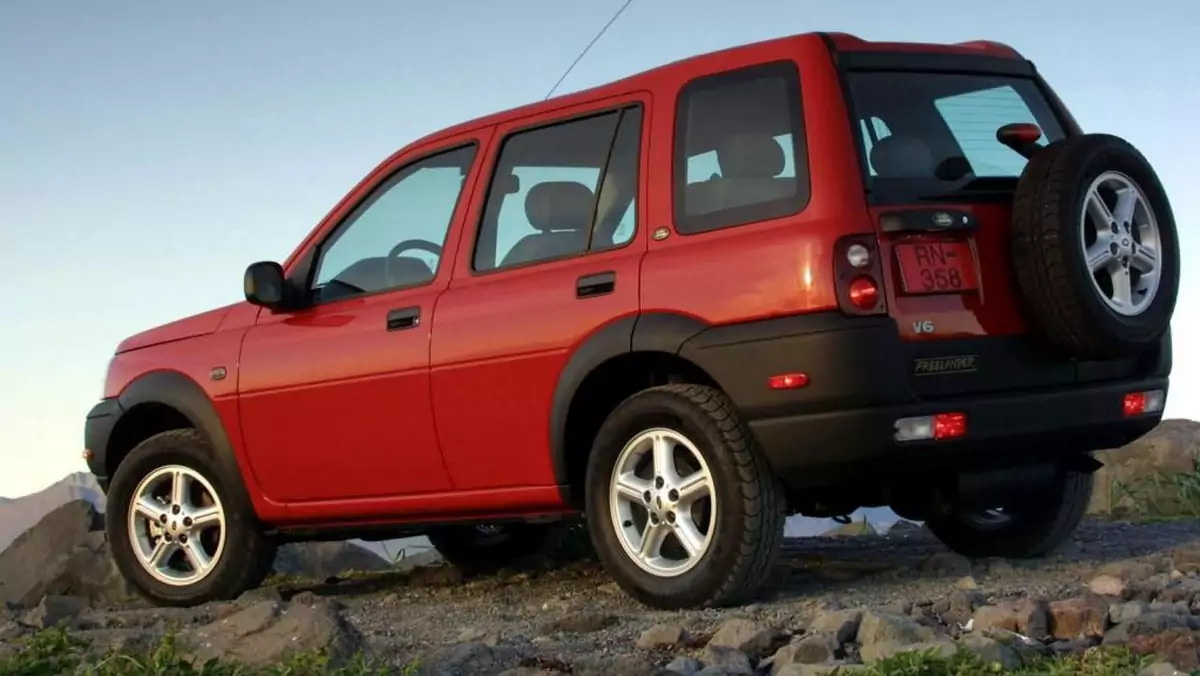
(940, 186)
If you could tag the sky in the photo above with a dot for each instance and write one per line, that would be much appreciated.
(149, 151)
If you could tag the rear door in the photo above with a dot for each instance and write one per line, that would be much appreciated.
(552, 254)
(940, 185)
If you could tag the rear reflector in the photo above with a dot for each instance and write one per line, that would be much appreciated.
(787, 381)
(1138, 403)
(864, 293)
(939, 426)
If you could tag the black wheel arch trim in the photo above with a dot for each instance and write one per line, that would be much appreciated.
(183, 394)
(646, 332)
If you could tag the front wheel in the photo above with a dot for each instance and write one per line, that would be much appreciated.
(681, 503)
(175, 527)
(1029, 528)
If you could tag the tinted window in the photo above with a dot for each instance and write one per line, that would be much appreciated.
(934, 134)
(738, 137)
(542, 201)
(395, 237)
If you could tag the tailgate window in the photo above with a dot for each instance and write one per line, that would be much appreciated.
(932, 136)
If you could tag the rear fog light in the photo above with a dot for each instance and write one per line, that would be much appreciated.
(1138, 403)
(939, 426)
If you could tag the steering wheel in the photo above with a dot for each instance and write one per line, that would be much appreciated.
(421, 244)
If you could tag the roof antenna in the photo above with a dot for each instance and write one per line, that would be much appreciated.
(588, 47)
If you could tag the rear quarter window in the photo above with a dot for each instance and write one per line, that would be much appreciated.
(739, 149)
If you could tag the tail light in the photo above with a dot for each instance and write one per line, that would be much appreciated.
(859, 275)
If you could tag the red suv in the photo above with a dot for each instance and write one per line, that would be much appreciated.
(795, 277)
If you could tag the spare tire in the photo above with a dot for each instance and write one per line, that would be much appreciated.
(1095, 252)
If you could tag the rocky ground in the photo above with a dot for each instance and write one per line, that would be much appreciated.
(837, 601)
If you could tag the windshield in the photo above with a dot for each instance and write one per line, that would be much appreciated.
(932, 136)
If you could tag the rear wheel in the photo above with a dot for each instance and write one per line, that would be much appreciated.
(681, 504)
(1031, 527)
(176, 529)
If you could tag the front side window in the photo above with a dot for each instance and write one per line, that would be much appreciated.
(394, 239)
(562, 190)
(739, 149)
(933, 135)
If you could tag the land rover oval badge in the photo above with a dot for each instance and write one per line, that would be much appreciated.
(943, 220)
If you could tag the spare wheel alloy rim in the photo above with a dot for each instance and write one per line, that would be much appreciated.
(663, 502)
(1121, 243)
(177, 525)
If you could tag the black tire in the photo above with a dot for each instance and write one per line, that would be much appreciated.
(247, 554)
(491, 548)
(1036, 525)
(1050, 271)
(750, 501)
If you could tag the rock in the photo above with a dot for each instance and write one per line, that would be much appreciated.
(268, 631)
(1184, 590)
(1179, 647)
(992, 651)
(1170, 448)
(684, 666)
(436, 576)
(1127, 571)
(319, 560)
(1025, 617)
(874, 652)
(581, 623)
(1177, 608)
(841, 624)
(878, 627)
(662, 636)
(811, 649)
(966, 583)
(462, 658)
(260, 594)
(54, 610)
(64, 554)
(1147, 624)
(958, 607)
(1186, 559)
(1123, 612)
(1107, 585)
(946, 563)
(1079, 617)
(731, 660)
(1161, 669)
(747, 636)
(822, 669)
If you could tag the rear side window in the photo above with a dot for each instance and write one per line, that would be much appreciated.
(739, 149)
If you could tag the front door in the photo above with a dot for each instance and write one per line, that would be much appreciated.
(334, 397)
(555, 256)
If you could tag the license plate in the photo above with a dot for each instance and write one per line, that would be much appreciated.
(936, 267)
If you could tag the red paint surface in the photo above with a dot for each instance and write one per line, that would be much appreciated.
(334, 418)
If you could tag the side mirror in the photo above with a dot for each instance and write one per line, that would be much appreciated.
(264, 284)
(1022, 137)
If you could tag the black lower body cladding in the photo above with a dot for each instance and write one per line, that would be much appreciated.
(861, 379)
(1095, 250)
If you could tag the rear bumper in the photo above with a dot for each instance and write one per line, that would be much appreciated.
(861, 381)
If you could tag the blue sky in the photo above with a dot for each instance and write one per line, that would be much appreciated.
(149, 150)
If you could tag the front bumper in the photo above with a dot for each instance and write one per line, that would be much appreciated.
(97, 431)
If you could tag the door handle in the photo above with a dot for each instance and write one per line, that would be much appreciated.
(403, 318)
(595, 285)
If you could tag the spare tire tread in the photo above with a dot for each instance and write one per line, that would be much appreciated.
(1047, 262)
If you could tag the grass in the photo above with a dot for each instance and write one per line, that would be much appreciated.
(54, 652)
(1093, 662)
(1161, 496)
